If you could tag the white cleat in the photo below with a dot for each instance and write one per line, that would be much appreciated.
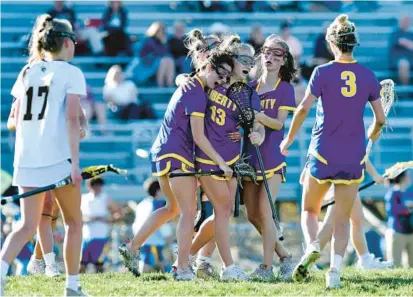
(333, 279)
(234, 273)
(36, 266)
(373, 263)
(52, 270)
(183, 275)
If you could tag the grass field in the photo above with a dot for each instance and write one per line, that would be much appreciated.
(395, 282)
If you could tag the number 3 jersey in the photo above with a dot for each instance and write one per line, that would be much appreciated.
(342, 89)
(41, 89)
(221, 117)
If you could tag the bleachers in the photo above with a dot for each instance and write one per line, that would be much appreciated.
(121, 142)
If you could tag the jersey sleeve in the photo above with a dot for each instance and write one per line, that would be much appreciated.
(255, 102)
(375, 90)
(76, 82)
(195, 102)
(288, 100)
(18, 89)
(314, 85)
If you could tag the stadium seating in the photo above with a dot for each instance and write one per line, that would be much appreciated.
(122, 141)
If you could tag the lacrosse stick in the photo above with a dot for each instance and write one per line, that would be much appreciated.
(87, 173)
(241, 94)
(241, 169)
(388, 96)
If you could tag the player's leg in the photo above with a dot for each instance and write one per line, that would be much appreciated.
(153, 222)
(31, 208)
(68, 200)
(184, 189)
(220, 194)
(45, 235)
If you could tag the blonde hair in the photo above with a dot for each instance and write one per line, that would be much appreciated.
(342, 33)
(110, 76)
(47, 35)
(233, 45)
(196, 42)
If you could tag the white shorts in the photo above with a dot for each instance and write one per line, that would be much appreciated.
(41, 176)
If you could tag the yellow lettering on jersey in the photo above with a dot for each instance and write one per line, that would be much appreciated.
(221, 100)
(268, 103)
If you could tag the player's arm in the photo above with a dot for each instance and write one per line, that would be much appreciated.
(11, 121)
(273, 123)
(379, 120)
(185, 81)
(259, 129)
(373, 173)
(300, 114)
(73, 126)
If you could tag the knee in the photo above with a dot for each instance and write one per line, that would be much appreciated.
(224, 208)
(73, 226)
(173, 209)
(311, 210)
(27, 229)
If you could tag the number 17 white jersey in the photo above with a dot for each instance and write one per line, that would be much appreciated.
(41, 134)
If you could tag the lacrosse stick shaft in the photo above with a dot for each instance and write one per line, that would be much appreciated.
(267, 189)
(199, 173)
(363, 187)
(60, 184)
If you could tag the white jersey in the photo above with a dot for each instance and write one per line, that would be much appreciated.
(95, 206)
(41, 135)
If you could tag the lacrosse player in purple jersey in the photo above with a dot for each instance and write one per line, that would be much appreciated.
(220, 121)
(337, 152)
(277, 100)
(366, 260)
(173, 151)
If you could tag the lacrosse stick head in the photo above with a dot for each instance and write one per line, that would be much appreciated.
(244, 169)
(397, 169)
(241, 93)
(387, 94)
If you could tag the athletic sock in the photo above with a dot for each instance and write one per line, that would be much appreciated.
(72, 282)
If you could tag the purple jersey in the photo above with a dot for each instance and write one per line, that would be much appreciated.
(343, 89)
(221, 117)
(174, 139)
(282, 97)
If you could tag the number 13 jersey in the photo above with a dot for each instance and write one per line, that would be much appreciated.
(41, 134)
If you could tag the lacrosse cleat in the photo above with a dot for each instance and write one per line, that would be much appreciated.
(311, 256)
(333, 279)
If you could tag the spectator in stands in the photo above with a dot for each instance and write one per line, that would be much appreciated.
(256, 37)
(94, 107)
(90, 35)
(97, 211)
(179, 50)
(322, 51)
(61, 11)
(399, 208)
(122, 96)
(151, 252)
(155, 57)
(114, 22)
(293, 43)
(401, 50)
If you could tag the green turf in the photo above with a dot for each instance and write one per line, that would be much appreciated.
(354, 283)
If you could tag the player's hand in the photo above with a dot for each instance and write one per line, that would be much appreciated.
(285, 144)
(373, 137)
(82, 133)
(259, 117)
(187, 83)
(378, 179)
(227, 170)
(76, 176)
(235, 136)
(255, 138)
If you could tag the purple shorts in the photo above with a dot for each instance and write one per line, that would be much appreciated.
(92, 251)
(281, 169)
(167, 165)
(345, 174)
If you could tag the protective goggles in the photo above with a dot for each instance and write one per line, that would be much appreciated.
(245, 60)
